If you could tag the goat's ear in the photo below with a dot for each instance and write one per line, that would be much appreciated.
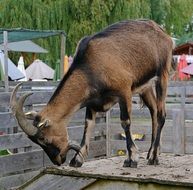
(45, 123)
(31, 115)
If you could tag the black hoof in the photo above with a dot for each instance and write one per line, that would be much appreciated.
(153, 162)
(130, 163)
(75, 163)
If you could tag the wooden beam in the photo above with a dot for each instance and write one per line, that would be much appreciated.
(178, 132)
(5, 36)
(62, 54)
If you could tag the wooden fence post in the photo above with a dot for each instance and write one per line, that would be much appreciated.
(178, 132)
(108, 135)
(62, 54)
(5, 36)
(183, 98)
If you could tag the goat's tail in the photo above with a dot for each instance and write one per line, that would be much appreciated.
(174, 65)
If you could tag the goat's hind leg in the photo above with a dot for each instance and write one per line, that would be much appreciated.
(133, 157)
(161, 87)
(149, 100)
(79, 158)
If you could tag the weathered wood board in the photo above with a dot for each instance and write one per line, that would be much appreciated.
(8, 182)
(173, 171)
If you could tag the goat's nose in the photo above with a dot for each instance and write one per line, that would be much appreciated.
(58, 160)
(63, 159)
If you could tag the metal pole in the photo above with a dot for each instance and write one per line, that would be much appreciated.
(62, 54)
(5, 37)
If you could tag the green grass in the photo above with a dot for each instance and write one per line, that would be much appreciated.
(4, 152)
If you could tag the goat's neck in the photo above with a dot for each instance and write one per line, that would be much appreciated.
(69, 98)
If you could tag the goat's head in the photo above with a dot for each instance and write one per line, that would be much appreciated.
(51, 135)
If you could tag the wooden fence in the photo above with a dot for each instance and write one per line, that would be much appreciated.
(108, 139)
(177, 135)
(27, 158)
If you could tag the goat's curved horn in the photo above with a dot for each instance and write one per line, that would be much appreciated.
(74, 146)
(17, 109)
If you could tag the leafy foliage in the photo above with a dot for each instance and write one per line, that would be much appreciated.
(83, 17)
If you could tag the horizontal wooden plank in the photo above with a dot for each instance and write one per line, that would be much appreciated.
(121, 145)
(188, 114)
(21, 161)
(20, 140)
(17, 140)
(38, 97)
(31, 83)
(144, 113)
(143, 146)
(55, 83)
(76, 132)
(139, 128)
(97, 148)
(14, 181)
(115, 129)
(189, 130)
(37, 158)
(180, 83)
(173, 85)
(7, 120)
(188, 148)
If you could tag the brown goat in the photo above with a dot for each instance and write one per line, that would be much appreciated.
(108, 68)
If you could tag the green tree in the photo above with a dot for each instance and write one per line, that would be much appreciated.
(34, 14)
(84, 17)
(159, 10)
(179, 13)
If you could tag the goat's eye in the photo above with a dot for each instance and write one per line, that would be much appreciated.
(44, 140)
(41, 138)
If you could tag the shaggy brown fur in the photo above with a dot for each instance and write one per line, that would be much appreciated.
(108, 68)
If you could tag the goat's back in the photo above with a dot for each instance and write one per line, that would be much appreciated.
(129, 51)
(136, 49)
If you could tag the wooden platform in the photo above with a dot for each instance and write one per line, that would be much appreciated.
(174, 172)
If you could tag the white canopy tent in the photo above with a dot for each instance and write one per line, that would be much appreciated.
(21, 67)
(13, 72)
(18, 34)
(39, 70)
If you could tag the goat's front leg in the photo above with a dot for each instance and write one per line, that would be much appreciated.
(133, 157)
(78, 159)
